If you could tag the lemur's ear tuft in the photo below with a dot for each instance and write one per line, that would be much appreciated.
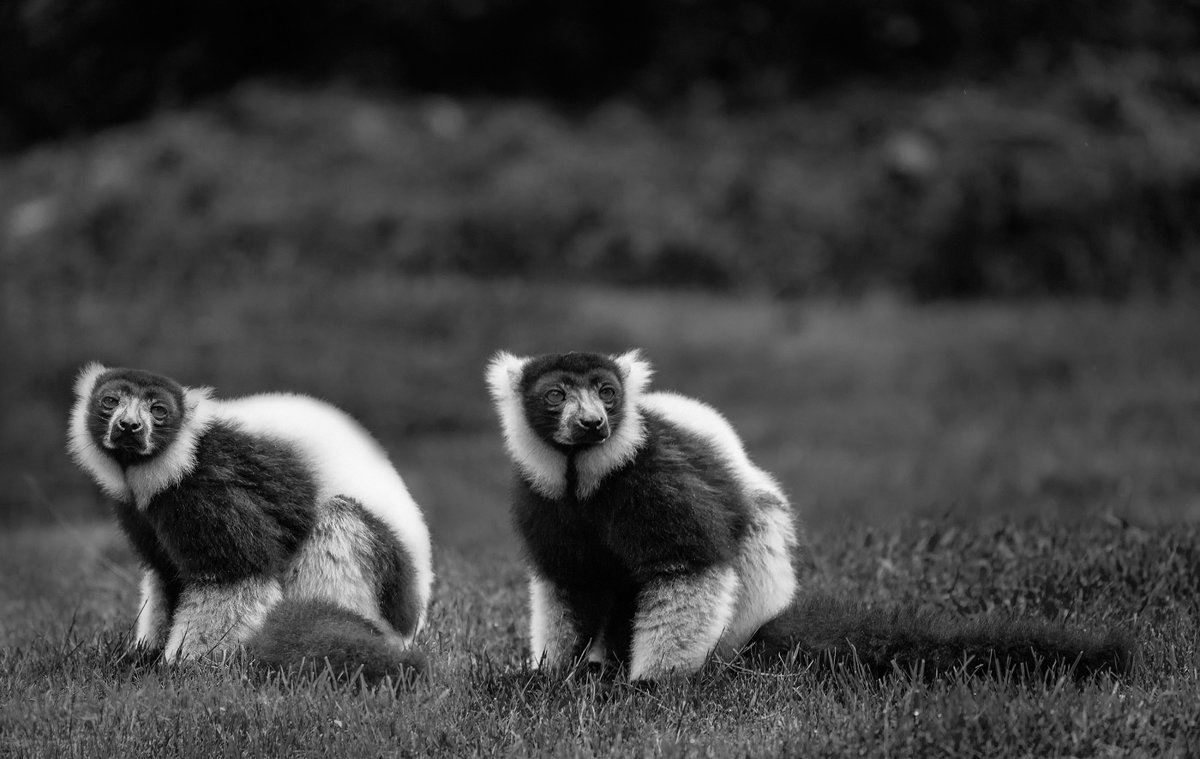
(194, 396)
(85, 381)
(504, 374)
(636, 371)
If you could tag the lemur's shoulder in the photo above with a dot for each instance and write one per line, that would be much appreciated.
(710, 425)
(226, 451)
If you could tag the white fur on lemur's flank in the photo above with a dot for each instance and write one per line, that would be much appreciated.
(764, 571)
(214, 620)
(546, 468)
(766, 576)
(764, 565)
(345, 460)
(328, 566)
(679, 622)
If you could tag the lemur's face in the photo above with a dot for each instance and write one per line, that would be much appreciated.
(573, 399)
(133, 415)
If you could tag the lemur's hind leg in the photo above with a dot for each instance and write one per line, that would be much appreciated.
(354, 561)
(214, 619)
(765, 571)
(679, 621)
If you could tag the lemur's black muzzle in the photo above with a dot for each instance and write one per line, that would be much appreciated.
(592, 429)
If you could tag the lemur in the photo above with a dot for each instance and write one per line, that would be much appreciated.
(273, 523)
(654, 542)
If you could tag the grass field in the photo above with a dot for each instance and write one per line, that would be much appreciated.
(1035, 458)
(65, 690)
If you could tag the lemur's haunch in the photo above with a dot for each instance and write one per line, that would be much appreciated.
(655, 542)
(272, 522)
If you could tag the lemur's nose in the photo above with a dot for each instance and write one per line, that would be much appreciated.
(591, 422)
(126, 425)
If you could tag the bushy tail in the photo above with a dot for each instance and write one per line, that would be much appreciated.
(306, 637)
(826, 629)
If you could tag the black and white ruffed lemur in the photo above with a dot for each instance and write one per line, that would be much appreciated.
(654, 542)
(273, 523)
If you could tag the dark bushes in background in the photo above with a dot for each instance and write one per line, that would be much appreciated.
(68, 65)
(940, 195)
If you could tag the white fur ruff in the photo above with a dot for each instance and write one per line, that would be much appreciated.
(142, 482)
(106, 472)
(546, 468)
(595, 463)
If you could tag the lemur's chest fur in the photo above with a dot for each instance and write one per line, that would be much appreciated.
(243, 509)
(675, 507)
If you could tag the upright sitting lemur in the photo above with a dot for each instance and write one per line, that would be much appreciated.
(272, 522)
(653, 541)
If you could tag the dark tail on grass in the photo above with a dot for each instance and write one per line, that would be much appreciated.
(306, 637)
(828, 629)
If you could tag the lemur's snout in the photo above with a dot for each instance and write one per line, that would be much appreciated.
(127, 431)
(591, 423)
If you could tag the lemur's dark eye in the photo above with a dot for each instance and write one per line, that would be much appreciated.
(159, 412)
(555, 396)
(607, 393)
(108, 402)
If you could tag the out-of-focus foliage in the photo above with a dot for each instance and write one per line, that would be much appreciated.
(1089, 184)
(75, 64)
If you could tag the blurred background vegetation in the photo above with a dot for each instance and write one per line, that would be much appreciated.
(932, 256)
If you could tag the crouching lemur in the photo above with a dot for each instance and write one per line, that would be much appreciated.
(653, 541)
(272, 523)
